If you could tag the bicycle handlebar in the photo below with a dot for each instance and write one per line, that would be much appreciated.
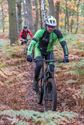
(47, 61)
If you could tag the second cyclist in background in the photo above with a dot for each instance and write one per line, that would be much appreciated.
(24, 34)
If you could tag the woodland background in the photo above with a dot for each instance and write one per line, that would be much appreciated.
(14, 14)
(18, 102)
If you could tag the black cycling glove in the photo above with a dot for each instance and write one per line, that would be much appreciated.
(29, 58)
(66, 60)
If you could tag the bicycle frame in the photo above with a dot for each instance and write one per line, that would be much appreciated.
(46, 82)
(45, 69)
(44, 72)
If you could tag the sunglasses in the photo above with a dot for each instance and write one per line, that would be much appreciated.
(51, 27)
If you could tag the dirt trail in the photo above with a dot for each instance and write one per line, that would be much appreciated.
(16, 77)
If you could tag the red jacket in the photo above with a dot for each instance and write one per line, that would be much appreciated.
(24, 33)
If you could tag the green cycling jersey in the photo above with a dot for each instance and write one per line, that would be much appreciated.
(53, 37)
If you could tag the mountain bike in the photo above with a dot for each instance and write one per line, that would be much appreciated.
(25, 43)
(47, 92)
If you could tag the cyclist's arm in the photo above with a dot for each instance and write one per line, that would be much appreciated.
(30, 33)
(22, 39)
(33, 42)
(20, 35)
(31, 47)
(62, 42)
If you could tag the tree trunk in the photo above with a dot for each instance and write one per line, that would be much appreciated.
(28, 15)
(40, 13)
(51, 8)
(24, 13)
(57, 13)
(71, 25)
(2, 18)
(66, 18)
(37, 15)
(12, 21)
(43, 12)
(19, 16)
(77, 16)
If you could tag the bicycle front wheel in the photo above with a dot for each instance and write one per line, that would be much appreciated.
(50, 95)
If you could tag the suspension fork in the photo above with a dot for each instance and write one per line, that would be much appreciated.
(44, 80)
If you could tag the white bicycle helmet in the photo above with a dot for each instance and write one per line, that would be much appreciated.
(51, 21)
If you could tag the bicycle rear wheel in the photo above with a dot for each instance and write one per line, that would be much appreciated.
(50, 95)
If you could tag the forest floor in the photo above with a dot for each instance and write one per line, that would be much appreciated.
(16, 78)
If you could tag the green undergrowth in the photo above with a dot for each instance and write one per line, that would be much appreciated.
(12, 51)
(2, 65)
(78, 67)
(82, 91)
(70, 37)
(22, 117)
(77, 72)
(81, 45)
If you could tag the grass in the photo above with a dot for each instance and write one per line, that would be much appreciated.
(47, 118)
(2, 65)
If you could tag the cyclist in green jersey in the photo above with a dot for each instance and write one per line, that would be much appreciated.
(43, 43)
